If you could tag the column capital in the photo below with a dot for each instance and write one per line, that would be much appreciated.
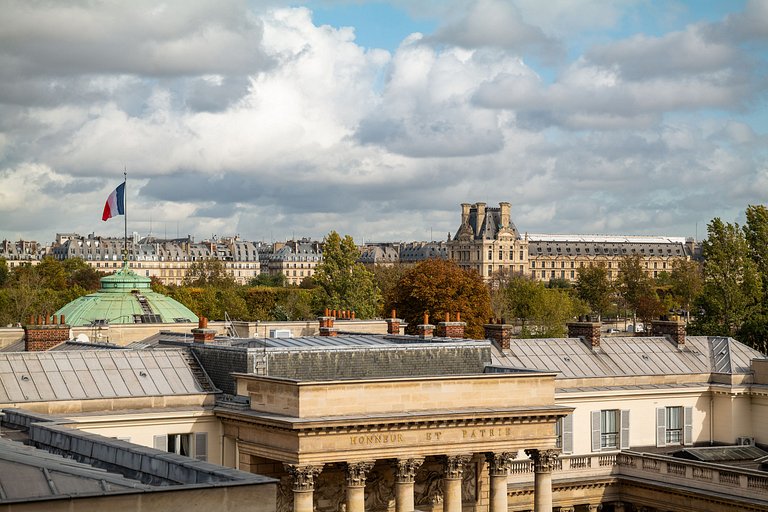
(594, 508)
(357, 472)
(544, 461)
(498, 463)
(454, 466)
(405, 469)
(303, 476)
(567, 509)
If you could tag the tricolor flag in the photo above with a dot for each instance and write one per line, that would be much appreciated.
(115, 204)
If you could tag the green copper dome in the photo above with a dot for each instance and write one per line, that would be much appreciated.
(125, 298)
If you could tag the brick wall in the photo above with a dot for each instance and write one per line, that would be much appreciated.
(590, 331)
(673, 328)
(44, 337)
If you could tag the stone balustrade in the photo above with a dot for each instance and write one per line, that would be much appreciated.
(733, 481)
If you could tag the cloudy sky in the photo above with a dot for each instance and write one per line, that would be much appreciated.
(274, 119)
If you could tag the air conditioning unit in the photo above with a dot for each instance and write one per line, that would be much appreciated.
(280, 333)
(745, 441)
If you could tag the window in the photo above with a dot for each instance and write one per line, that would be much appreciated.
(190, 445)
(610, 430)
(674, 426)
(564, 433)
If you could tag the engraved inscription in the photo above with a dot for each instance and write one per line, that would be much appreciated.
(369, 439)
(486, 433)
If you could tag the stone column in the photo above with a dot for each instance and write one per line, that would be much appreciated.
(498, 470)
(405, 474)
(543, 464)
(454, 471)
(303, 485)
(356, 473)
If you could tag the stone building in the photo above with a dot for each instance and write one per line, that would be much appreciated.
(21, 252)
(488, 242)
(296, 260)
(165, 259)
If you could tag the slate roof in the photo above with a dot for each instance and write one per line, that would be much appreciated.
(628, 356)
(93, 374)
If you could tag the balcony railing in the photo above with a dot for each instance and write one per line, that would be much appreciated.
(667, 470)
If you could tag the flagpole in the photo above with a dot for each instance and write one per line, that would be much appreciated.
(125, 218)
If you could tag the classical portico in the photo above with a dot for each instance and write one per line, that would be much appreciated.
(400, 443)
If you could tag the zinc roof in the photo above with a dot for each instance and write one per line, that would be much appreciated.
(627, 356)
(28, 473)
(93, 374)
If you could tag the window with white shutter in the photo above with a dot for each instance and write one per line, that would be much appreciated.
(567, 434)
(688, 426)
(201, 446)
(624, 441)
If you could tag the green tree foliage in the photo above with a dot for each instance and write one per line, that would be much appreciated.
(754, 330)
(342, 283)
(541, 311)
(4, 272)
(732, 286)
(271, 280)
(438, 287)
(686, 282)
(634, 286)
(208, 272)
(387, 278)
(593, 286)
(43, 288)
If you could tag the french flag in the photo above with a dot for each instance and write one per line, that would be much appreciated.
(115, 204)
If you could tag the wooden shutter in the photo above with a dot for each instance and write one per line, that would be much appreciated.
(688, 426)
(201, 446)
(161, 443)
(624, 437)
(595, 431)
(568, 434)
(661, 426)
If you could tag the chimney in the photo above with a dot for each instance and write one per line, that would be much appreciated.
(326, 325)
(504, 220)
(425, 330)
(465, 213)
(202, 334)
(393, 324)
(40, 335)
(450, 329)
(588, 331)
(674, 329)
(499, 333)
(479, 218)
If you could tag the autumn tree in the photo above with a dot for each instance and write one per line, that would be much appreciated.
(438, 287)
(342, 282)
(593, 286)
(732, 289)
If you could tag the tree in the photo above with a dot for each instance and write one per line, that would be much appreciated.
(208, 272)
(754, 330)
(4, 272)
(438, 287)
(272, 280)
(387, 278)
(686, 284)
(732, 286)
(342, 282)
(79, 273)
(593, 286)
(540, 310)
(633, 284)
